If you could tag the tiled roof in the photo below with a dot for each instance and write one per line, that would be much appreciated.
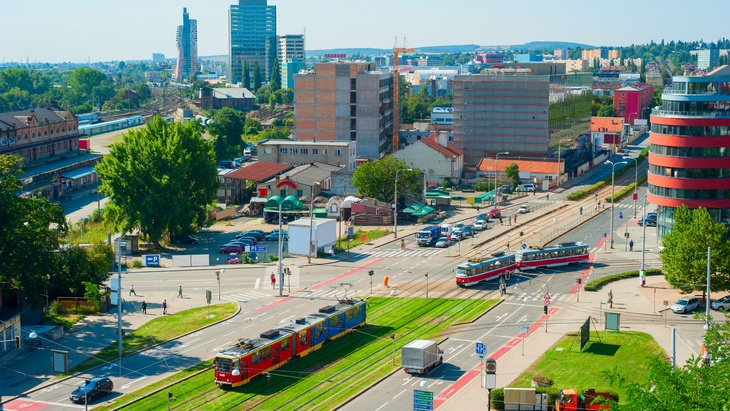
(606, 124)
(260, 171)
(546, 166)
(20, 118)
(450, 150)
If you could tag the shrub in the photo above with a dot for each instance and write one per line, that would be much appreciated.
(594, 285)
(136, 263)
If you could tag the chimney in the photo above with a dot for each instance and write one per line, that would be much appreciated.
(443, 139)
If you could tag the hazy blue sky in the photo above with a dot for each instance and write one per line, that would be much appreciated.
(103, 30)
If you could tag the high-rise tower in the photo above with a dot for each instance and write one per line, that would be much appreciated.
(187, 48)
(251, 29)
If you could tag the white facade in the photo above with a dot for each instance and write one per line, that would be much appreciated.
(324, 235)
(435, 164)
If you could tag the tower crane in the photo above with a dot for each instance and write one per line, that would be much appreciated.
(396, 88)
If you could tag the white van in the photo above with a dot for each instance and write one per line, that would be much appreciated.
(446, 230)
(527, 187)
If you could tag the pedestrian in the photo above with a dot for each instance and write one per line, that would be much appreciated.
(507, 245)
(610, 298)
(547, 197)
(509, 220)
(273, 281)
(500, 220)
(164, 307)
(477, 209)
(503, 288)
(144, 307)
(631, 245)
(581, 211)
(515, 219)
(402, 244)
(179, 292)
(131, 290)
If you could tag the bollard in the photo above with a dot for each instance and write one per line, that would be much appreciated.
(385, 281)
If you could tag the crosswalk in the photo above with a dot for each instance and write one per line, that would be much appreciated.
(517, 295)
(417, 252)
(251, 295)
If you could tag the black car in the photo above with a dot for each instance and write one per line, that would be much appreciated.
(93, 388)
(251, 237)
(257, 234)
(185, 239)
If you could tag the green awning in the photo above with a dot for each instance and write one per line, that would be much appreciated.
(411, 208)
(423, 211)
(320, 212)
(273, 202)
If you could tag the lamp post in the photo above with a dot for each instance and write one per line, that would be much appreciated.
(636, 178)
(311, 220)
(496, 157)
(280, 251)
(119, 299)
(395, 202)
(218, 277)
(630, 123)
(426, 285)
(642, 273)
(86, 394)
(392, 355)
(613, 188)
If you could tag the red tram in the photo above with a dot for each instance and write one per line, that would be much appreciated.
(237, 365)
(484, 269)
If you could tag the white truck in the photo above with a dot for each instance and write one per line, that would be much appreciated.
(420, 356)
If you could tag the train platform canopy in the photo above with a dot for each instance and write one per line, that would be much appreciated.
(76, 174)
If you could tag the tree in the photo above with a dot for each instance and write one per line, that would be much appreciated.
(30, 229)
(81, 264)
(246, 76)
(227, 126)
(512, 172)
(275, 78)
(256, 76)
(376, 179)
(159, 179)
(606, 110)
(684, 259)
(251, 126)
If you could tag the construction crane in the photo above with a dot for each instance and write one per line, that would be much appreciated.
(396, 84)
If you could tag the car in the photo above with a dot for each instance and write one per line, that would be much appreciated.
(443, 242)
(230, 248)
(458, 226)
(244, 241)
(234, 258)
(275, 236)
(482, 217)
(185, 239)
(721, 303)
(468, 230)
(92, 389)
(685, 305)
(247, 152)
(276, 231)
(524, 208)
(226, 164)
(494, 213)
(257, 234)
(457, 235)
(249, 237)
(480, 225)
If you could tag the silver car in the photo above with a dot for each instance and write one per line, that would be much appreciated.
(685, 305)
(721, 303)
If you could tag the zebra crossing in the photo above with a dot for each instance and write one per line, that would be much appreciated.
(248, 296)
(419, 252)
(536, 296)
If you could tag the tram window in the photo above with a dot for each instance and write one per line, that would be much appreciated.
(266, 352)
(223, 364)
(350, 314)
(256, 357)
(302, 338)
(285, 343)
(318, 329)
(335, 321)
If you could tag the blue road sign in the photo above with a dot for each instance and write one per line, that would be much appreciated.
(422, 400)
(481, 348)
(524, 246)
(620, 214)
(257, 248)
(152, 260)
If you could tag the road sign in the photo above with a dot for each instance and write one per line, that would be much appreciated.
(524, 329)
(151, 260)
(636, 196)
(481, 348)
(524, 246)
(546, 299)
(620, 214)
(256, 248)
(422, 400)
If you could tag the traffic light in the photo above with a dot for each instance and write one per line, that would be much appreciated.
(506, 275)
(17, 342)
(544, 307)
(578, 280)
(522, 233)
(371, 273)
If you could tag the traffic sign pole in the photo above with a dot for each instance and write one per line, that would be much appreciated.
(546, 301)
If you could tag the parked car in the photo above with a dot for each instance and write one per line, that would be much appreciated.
(494, 213)
(257, 234)
(685, 305)
(480, 225)
(276, 231)
(482, 217)
(650, 222)
(230, 248)
(721, 303)
(443, 242)
(185, 239)
(226, 164)
(234, 258)
(524, 208)
(275, 236)
(457, 235)
(241, 243)
(92, 389)
(458, 226)
(468, 231)
(250, 239)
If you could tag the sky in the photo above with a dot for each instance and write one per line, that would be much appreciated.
(104, 30)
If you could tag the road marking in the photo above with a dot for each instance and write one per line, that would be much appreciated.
(396, 396)
(258, 284)
(377, 409)
(129, 384)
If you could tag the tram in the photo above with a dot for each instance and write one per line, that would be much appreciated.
(554, 256)
(477, 270)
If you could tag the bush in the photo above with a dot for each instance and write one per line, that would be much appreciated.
(599, 283)
(136, 263)
(483, 186)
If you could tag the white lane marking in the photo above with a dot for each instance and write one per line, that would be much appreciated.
(396, 396)
(257, 284)
(129, 384)
(379, 408)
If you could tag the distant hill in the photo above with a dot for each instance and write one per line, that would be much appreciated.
(537, 45)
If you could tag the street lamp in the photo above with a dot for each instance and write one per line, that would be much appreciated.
(636, 178)
(120, 241)
(426, 285)
(630, 123)
(392, 355)
(395, 202)
(218, 277)
(311, 220)
(613, 188)
(496, 157)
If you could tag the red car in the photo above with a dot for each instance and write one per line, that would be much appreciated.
(234, 258)
(226, 249)
(494, 213)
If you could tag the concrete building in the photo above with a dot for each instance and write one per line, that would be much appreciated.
(632, 102)
(215, 98)
(158, 58)
(442, 115)
(289, 47)
(690, 147)
(187, 48)
(345, 102)
(513, 110)
(251, 36)
(435, 156)
(707, 58)
(336, 153)
(288, 70)
(524, 58)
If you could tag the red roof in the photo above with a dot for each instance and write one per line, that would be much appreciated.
(450, 150)
(259, 171)
(606, 124)
(544, 165)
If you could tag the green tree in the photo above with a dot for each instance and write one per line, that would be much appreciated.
(275, 78)
(30, 229)
(512, 172)
(89, 85)
(227, 126)
(256, 76)
(251, 126)
(684, 259)
(81, 264)
(376, 179)
(606, 110)
(159, 179)
(246, 76)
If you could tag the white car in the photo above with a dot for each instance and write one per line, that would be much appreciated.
(685, 305)
(480, 225)
(443, 242)
(722, 303)
(524, 209)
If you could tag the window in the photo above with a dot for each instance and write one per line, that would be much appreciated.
(305, 151)
(324, 151)
(285, 344)
(266, 352)
(338, 153)
(300, 193)
(315, 151)
(283, 150)
(256, 357)
(295, 151)
(267, 150)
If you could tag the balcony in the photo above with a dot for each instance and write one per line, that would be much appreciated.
(704, 114)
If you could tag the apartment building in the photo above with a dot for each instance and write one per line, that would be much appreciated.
(290, 53)
(251, 36)
(690, 147)
(346, 101)
(337, 153)
(187, 48)
(632, 102)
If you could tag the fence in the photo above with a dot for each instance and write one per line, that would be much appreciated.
(70, 304)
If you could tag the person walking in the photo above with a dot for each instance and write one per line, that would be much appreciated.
(610, 298)
(144, 307)
(581, 211)
(515, 219)
(547, 197)
(131, 290)
(164, 307)
(402, 244)
(631, 245)
(179, 292)
(503, 288)
(273, 281)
